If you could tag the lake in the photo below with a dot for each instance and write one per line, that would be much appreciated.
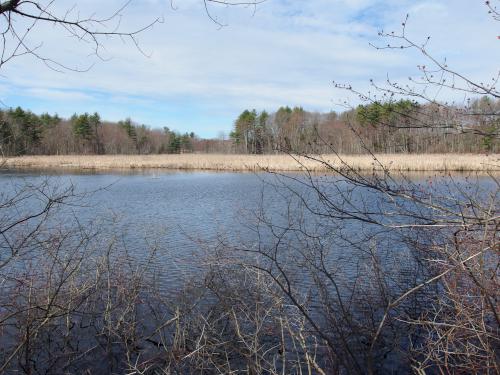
(182, 214)
(183, 217)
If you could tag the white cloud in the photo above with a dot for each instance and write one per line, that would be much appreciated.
(55, 94)
(287, 53)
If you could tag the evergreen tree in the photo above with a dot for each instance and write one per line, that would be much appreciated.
(129, 129)
(244, 127)
(82, 127)
(6, 136)
(174, 145)
(95, 123)
(260, 132)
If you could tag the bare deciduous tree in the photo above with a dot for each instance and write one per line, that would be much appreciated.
(20, 18)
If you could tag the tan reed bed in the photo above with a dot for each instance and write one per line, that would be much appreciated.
(217, 162)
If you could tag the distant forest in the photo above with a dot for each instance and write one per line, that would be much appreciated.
(392, 127)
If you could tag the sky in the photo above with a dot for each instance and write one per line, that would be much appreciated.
(191, 74)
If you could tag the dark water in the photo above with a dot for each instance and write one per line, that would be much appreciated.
(182, 217)
(170, 212)
(182, 214)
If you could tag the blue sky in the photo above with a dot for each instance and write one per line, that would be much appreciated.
(199, 77)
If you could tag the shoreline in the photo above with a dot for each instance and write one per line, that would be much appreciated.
(276, 163)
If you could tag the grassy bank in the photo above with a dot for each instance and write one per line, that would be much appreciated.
(395, 162)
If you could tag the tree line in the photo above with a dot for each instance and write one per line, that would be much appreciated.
(24, 133)
(402, 126)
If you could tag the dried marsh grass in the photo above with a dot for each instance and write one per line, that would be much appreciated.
(395, 162)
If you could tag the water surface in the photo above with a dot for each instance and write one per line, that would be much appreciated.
(182, 214)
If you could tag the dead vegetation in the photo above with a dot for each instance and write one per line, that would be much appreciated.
(282, 162)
